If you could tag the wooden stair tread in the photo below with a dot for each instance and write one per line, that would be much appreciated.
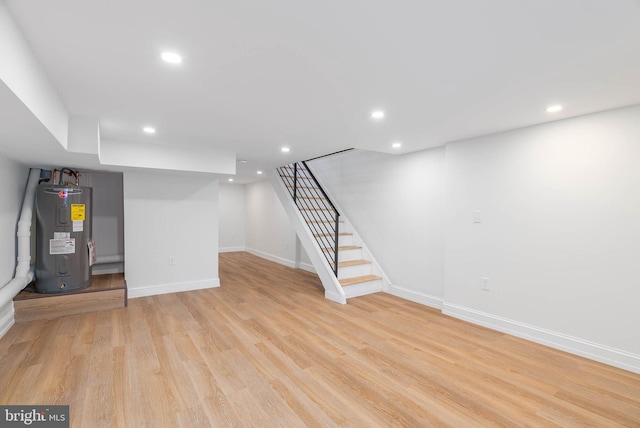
(302, 187)
(358, 280)
(318, 235)
(291, 169)
(343, 248)
(299, 176)
(353, 263)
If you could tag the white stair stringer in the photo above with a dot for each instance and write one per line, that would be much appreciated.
(332, 288)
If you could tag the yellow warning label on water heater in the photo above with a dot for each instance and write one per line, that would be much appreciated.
(77, 212)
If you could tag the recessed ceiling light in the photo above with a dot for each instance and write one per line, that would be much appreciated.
(149, 130)
(377, 114)
(171, 57)
(554, 108)
(285, 149)
(242, 161)
(231, 179)
(396, 145)
(259, 172)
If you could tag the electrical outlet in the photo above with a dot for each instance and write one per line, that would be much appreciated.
(172, 261)
(484, 283)
(476, 217)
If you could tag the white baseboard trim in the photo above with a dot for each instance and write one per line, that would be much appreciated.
(7, 318)
(271, 257)
(604, 354)
(334, 297)
(230, 249)
(280, 260)
(307, 267)
(134, 291)
(416, 296)
(362, 289)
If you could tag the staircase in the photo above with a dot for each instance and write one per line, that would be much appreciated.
(342, 262)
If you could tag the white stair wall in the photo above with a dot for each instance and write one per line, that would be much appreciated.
(384, 284)
(332, 288)
(358, 273)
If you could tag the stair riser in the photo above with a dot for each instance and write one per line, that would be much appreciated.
(314, 203)
(343, 241)
(302, 182)
(351, 271)
(318, 214)
(348, 255)
(290, 171)
(362, 289)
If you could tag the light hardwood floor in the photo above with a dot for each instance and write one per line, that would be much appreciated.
(266, 349)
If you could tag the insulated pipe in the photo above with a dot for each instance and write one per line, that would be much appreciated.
(24, 274)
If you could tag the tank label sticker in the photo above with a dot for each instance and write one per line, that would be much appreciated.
(78, 225)
(62, 246)
(77, 212)
(61, 235)
(93, 257)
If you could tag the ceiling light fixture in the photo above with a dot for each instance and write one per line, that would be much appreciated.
(231, 179)
(554, 108)
(171, 57)
(259, 172)
(149, 130)
(377, 114)
(396, 145)
(242, 161)
(285, 149)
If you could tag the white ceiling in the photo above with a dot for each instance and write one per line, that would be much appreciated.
(258, 74)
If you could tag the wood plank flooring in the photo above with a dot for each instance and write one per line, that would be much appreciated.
(266, 349)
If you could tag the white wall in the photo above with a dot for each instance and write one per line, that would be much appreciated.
(14, 179)
(269, 233)
(396, 204)
(232, 217)
(170, 216)
(559, 237)
(108, 218)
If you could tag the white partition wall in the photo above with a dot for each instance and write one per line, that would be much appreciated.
(232, 217)
(171, 233)
(269, 233)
